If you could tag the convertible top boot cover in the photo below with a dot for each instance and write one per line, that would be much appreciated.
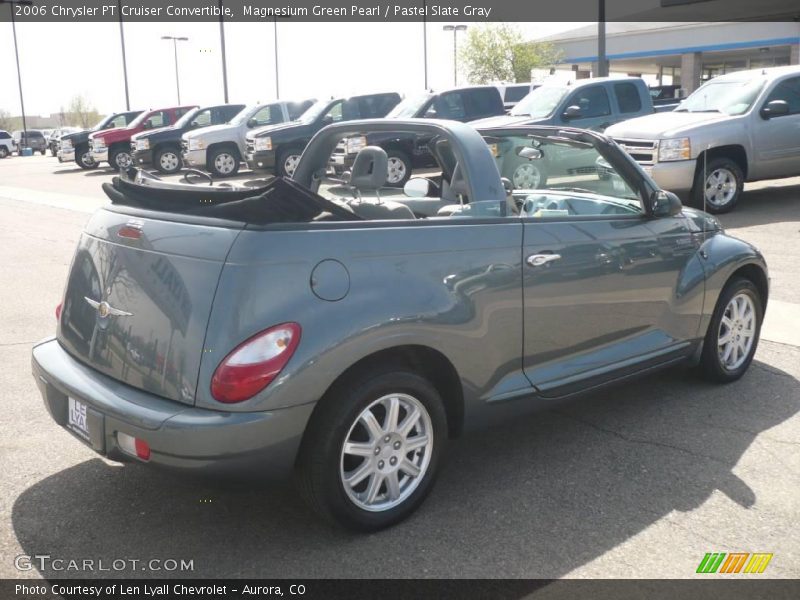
(280, 201)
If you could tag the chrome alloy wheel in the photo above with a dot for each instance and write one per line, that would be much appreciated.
(123, 160)
(290, 164)
(720, 187)
(737, 332)
(397, 170)
(225, 163)
(386, 452)
(526, 177)
(169, 161)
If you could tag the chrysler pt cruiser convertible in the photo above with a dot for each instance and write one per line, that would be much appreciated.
(343, 331)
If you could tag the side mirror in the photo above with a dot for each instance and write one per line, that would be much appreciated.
(251, 123)
(529, 152)
(776, 108)
(417, 188)
(665, 204)
(572, 112)
(194, 125)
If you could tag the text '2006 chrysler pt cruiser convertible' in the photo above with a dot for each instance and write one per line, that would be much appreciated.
(344, 331)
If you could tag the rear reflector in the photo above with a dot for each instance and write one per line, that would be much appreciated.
(133, 446)
(255, 363)
(130, 232)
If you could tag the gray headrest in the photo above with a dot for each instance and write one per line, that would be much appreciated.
(458, 185)
(370, 169)
(383, 211)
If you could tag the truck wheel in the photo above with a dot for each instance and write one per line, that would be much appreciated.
(3, 151)
(224, 162)
(372, 449)
(120, 159)
(168, 160)
(399, 168)
(287, 161)
(527, 176)
(733, 333)
(83, 157)
(717, 188)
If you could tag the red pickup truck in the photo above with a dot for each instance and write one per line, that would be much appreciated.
(114, 145)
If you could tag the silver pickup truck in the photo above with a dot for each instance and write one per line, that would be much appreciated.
(345, 330)
(740, 127)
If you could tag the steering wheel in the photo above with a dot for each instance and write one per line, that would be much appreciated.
(196, 173)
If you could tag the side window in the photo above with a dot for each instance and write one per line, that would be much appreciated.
(448, 106)
(264, 116)
(335, 114)
(627, 97)
(515, 93)
(298, 108)
(158, 119)
(4, 135)
(592, 100)
(180, 112)
(381, 105)
(788, 91)
(203, 118)
(226, 113)
(484, 102)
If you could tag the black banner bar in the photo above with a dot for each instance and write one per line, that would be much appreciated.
(396, 10)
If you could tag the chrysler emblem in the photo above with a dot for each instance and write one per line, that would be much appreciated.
(104, 309)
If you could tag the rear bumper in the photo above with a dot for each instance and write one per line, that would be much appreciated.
(181, 437)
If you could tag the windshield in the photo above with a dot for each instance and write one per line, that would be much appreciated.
(187, 118)
(410, 106)
(103, 122)
(728, 97)
(314, 111)
(245, 114)
(541, 102)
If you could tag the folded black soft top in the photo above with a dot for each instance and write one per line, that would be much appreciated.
(280, 201)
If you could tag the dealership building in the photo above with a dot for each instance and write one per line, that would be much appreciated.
(680, 53)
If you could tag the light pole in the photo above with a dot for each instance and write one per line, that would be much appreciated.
(222, 46)
(19, 73)
(602, 60)
(175, 41)
(425, 40)
(455, 29)
(124, 60)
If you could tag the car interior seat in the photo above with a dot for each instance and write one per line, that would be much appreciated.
(369, 174)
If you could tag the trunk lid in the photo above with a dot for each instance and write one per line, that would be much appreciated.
(139, 296)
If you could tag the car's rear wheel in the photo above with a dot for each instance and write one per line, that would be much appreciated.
(3, 152)
(168, 160)
(734, 331)
(718, 185)
(224, 162)
(120, 159)
(83, 156)
(372, 449)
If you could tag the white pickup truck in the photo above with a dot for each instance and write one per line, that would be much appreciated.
(744, 126)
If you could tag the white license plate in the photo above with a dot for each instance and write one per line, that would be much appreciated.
(77, 418)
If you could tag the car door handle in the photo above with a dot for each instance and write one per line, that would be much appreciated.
(537, 260)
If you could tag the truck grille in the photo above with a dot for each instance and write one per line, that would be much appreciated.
(251, 146)
(643, 152)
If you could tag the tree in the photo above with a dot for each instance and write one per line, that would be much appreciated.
(498, 52)
(6, 120)
(80, 112)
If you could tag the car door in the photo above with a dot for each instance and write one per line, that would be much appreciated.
(600, 291)
(628, 101)
(777, 139)
(594, 105)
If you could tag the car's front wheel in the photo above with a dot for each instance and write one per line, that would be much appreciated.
(288, 161)
(224, 162)
(120, 159)
(733, 334)
(83, 156)
(3, 152)
(372, 449)
(168, 160)
(718, 185)
(399, 168)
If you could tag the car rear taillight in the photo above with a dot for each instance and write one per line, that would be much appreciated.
(133, 446)
(254, 363)
(58, 311)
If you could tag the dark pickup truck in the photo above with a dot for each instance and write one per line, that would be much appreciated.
(408, 152)
(277, 148)
(76, 147)
(162, 147)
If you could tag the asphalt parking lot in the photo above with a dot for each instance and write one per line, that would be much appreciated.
(635, 482)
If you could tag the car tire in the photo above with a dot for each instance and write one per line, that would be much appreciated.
(526, 175)
(734, 331)
(373, 502)
(400, 168)
(224, 162)
(168, 160)
(83, 157)
(4, 152)
(718, 185)
(120, 159)
(287, 161)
